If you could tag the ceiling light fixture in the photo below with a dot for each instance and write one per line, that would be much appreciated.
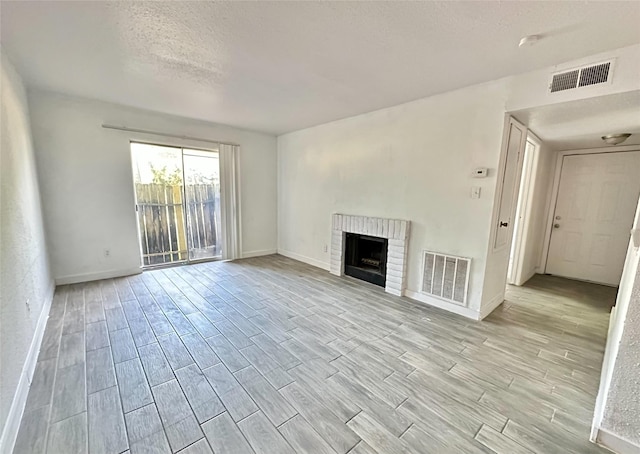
(529, 40)
(615, 139)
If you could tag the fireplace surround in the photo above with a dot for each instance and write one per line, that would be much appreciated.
(394, 231)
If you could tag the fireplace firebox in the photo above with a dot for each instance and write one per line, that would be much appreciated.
(366, 258)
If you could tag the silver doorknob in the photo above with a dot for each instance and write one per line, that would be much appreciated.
(556, 226)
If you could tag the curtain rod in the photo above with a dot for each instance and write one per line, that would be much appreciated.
(177, 136)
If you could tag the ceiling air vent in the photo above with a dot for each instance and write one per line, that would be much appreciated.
(565, 81)
(445, 276)
(596, 74)
(581, 77)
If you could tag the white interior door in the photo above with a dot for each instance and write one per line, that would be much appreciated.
(509, 184)
(597, 199)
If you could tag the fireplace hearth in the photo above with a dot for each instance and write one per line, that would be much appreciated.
(366, 258)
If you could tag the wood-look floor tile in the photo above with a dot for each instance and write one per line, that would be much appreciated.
(133, 386)
(224, 436)
(100, 370)
(263, 436)
(69, 436)
(41, 389)
(107, 431)
(303, 438)
(122, 346)
(203, 399)
(69, 395)
(327, 424)
(273, 355)
(156, 366)
(143, 422)
(32, 435)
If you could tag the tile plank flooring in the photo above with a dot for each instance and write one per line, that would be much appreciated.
(269, 355)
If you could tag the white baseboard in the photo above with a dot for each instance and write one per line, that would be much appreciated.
(12, 424)
(491, 306)
(615, 443)
(456, 309)
(304, 259)
(97, 276)
(249, 254)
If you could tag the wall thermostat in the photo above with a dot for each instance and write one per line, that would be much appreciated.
(480, 172)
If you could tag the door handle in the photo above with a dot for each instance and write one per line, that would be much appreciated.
(504, 224)
(556, 226)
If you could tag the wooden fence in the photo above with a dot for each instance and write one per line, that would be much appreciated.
(163, 231)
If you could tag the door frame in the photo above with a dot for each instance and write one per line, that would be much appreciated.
(523, 207)
(556, 188)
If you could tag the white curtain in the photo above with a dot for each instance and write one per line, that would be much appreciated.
(230, 201)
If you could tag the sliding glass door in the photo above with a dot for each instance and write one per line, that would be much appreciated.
(177, 203)
(202, 203)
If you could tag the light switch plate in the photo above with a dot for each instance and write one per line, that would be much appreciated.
(475, 192)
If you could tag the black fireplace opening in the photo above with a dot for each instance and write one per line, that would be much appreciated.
(366, 258)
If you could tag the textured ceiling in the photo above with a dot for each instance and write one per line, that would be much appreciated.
(282, 66)
(581, 124)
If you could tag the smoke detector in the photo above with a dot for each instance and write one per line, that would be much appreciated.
(615, 139)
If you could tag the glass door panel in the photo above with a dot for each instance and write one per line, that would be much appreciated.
(158, 181)
(202, 203)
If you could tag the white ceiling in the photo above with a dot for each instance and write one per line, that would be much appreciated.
(282, 66)
(581, 124)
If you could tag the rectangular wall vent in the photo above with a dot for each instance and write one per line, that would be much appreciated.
(581, 77)
(446, 277)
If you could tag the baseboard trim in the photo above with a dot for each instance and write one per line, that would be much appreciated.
(491, 306)
(249, 254)
(97, 276)
(460, 310)
(12, 424)
(304, 259)
(615, 443)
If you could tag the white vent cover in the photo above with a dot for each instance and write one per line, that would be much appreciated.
(446, 277)
(581, 77)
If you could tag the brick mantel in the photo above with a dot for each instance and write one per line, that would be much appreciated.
(395, 230)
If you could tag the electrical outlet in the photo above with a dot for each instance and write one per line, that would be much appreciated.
(107, 253)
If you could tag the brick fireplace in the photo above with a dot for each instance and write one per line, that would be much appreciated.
(395, 231)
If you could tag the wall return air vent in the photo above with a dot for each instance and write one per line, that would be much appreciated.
(446, 277)
(599, 73)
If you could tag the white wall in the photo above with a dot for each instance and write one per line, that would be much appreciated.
(26, 286)
(618, 403)
(86, 179)
(622, 411)
(412, 161)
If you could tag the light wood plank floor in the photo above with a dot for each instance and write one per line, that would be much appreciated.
(269, 355)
